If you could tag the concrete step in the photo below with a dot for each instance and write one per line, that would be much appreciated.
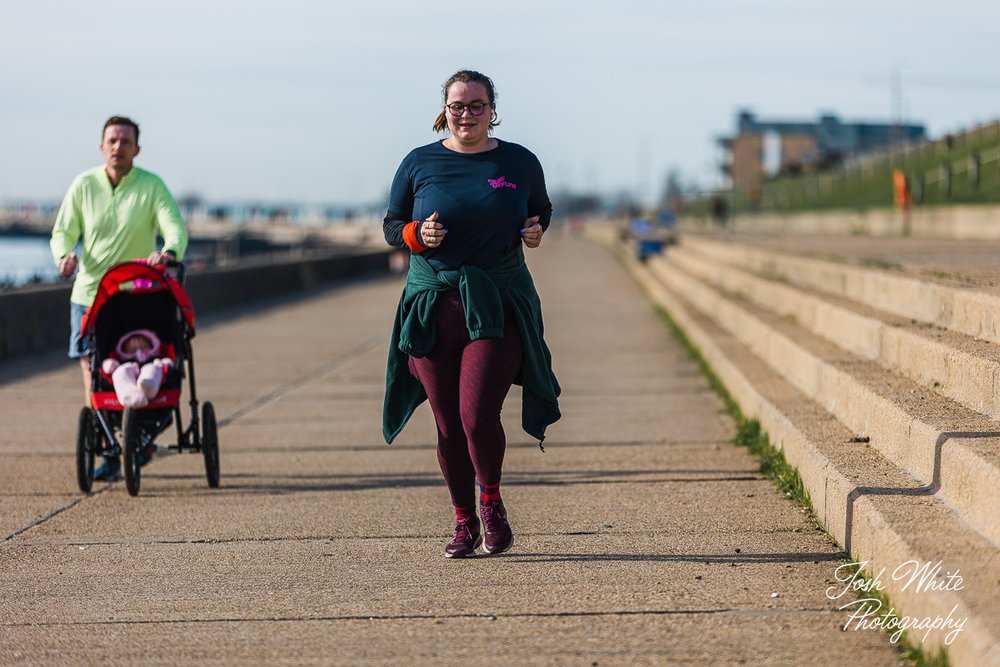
(908, 424)
(965, 310)
(963, 369)
(866, 502)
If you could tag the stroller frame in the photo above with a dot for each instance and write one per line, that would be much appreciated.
(106, 428)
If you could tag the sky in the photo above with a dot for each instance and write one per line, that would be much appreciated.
(318, 102)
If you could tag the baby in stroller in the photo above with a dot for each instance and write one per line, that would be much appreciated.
(136, 367)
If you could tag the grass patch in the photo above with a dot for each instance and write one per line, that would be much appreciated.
(941, 275)
(870, 186)
(877, 263)
(773, 464)
(831, 257)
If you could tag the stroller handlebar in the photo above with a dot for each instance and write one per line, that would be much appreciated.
(178, 269)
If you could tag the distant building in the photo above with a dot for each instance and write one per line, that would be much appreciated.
(763, 148)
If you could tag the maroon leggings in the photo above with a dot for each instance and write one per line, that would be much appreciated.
(466, 383)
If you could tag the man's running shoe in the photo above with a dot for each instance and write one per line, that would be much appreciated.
(109, 471)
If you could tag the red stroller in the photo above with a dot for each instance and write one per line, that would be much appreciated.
(135, 295)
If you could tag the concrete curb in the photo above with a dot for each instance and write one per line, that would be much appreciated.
(966, 311)
(872, 536)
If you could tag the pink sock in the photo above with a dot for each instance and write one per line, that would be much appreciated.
(489, 493)
(150, 378)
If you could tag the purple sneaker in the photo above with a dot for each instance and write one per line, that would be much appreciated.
(499, 537)
(466, 540)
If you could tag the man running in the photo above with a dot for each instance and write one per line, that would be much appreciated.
(114, 212)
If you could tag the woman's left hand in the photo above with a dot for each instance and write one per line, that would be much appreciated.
(532, 232)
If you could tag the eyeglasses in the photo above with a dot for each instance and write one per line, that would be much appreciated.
(475, 108)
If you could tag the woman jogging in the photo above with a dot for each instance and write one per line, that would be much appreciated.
(469, 321)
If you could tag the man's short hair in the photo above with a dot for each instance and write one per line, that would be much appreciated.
(121, 120)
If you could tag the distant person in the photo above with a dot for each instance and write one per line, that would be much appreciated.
(469, 322)
(720, 210)
(902, 196)
(114, 212)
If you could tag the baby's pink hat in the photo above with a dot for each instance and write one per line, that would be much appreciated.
(146, 333)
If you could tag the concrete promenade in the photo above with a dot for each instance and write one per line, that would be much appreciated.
(642, 535)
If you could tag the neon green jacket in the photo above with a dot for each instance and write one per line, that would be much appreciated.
(114, 224)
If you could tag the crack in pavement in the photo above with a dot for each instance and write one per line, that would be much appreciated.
(59, 510)
(731, 559)
(305, 378)
(556, 444)
(433, 617)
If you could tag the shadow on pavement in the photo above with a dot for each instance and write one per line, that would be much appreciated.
(283, 484)
(707, 559)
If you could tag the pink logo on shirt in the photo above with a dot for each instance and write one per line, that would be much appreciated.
(501, 183)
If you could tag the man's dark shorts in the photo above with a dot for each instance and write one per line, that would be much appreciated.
(76, 343)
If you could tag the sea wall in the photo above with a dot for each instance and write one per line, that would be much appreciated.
(37, 318)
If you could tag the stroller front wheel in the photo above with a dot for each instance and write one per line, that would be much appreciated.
(132, 444)
(210, 443)
(86, 443)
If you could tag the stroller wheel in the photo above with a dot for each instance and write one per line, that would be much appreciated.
(132, 444)
(86, 443)
(210, 443)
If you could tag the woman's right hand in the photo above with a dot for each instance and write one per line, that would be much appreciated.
(431, 231)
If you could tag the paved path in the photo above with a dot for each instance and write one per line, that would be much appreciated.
(642, 536)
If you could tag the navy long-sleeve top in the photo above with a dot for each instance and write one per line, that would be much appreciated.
(482, 199)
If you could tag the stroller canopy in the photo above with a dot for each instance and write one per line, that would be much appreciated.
(138, 278)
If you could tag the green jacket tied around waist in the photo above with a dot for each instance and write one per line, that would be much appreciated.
(484, 293)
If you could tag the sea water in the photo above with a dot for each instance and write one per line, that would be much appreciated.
(26, 259)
